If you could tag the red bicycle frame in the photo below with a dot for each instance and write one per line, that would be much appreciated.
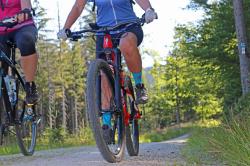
(110, 55)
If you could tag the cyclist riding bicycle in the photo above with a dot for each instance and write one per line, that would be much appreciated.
(24, 35)
(111, 13)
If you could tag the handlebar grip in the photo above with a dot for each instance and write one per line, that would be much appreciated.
(8, 22)
(68, 32)
(75, 37)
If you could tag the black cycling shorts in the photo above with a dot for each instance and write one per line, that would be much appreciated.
(137, 30)
(25, 39)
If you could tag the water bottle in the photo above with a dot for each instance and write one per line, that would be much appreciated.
(11, 88)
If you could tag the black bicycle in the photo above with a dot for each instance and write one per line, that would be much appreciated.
(107, 82)
(17, 119)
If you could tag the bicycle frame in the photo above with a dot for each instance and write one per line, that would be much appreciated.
(113, 56)
(11, 62)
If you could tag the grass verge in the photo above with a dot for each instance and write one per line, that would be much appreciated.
(165, 134)
(54, 138)
(224, 144)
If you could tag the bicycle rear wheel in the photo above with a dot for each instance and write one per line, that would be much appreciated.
(26, 122)
(100, 88)
(2, 118)
(132, 129)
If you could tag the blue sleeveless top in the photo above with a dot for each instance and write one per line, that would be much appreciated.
(113, 12)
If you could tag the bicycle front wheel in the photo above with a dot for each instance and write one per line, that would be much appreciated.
(100, 96)
(26, 123)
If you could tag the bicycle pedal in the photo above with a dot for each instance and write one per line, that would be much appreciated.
(18, 122)
(29, 105)
(38, 121)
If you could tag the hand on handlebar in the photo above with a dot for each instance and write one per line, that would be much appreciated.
(122, 28)
(150, 15)
(20, 17)
(8, 22)
(63, 34)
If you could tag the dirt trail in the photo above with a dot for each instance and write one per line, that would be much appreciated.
(151, 154)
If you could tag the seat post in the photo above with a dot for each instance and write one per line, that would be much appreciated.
(13, 53)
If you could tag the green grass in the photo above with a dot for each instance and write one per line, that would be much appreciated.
(197, 151)
(232, 142)
(55, 138)
(227, 143)
(165, 134)
(10, 149)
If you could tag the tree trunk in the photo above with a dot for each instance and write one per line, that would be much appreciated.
(43, 122)
(64, 120)
(51, 105)
(242, 45)
(177, 113)
(72, 114)
(76, 115)
(50, 97)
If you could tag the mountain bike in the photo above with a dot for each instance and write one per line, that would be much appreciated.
(107, 81)
(17, 118)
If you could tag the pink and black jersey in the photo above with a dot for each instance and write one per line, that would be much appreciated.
(9, 8)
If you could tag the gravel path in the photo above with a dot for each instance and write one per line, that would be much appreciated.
(151, 154)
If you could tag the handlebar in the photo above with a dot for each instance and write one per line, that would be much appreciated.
(12, 21)
(8, 22)
(74, 36)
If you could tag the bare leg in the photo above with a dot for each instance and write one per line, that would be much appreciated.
(29, 66)
(106, 92)
(128, 46)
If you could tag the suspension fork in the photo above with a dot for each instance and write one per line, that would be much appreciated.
(9, 110)
(117, 70)
(1, 80)
(13, 58)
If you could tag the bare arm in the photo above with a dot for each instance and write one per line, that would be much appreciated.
(26, 4)
(75, 13)
(144, 4)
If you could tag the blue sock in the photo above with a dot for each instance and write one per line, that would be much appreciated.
(106, 118)
(137, 78)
